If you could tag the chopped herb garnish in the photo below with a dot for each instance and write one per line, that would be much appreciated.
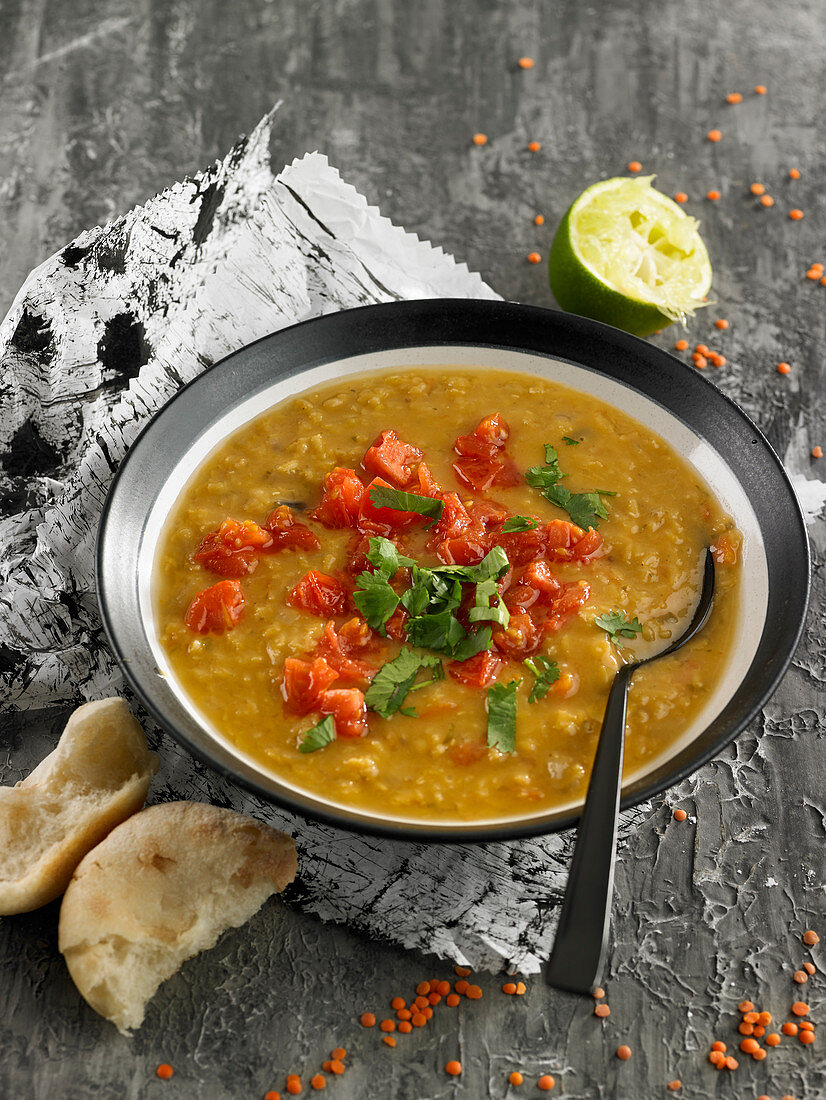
(519, 523)
(440, 632)
(385, 497)
(546, 672)
(502, 716)
(395, 680)
(474, 643)
(482, 611)
(571, 442)
(375, 599)
(615, 624)
(585, 509)
(319, 736)
(385, 557)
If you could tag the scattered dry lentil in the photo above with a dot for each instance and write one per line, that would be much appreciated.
(783, 368)
(367, 1019)
(539, 219)
(293, 1084)
(453, 1068)
(319, 1082)
(794, 173)
(525, 62)
(712, 195)
(714, 135)
(534, 146)
(767, 200)
(800, 1008)
(672, 1086)
(760, 89)
(772, 1039)
(680, 815)
(534, 258)
(806, 1037)
(602, 1011)
(789, 1028)
(721, 323)
(623, 1053)
(545, 1083)
(405, 1027)
(681, 345)
(480, 139)
(800, 976)
(509, 988)
(681, 197)
(516, 1078)
(719, 1046)
(389, 1040)
(164, 1071)
(634, 166)
(452, 1000)
(795, 215)
(461, 971)
(757, 189)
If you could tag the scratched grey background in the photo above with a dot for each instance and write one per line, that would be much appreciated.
(103, 103)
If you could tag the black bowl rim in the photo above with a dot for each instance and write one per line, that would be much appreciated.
(654, 373)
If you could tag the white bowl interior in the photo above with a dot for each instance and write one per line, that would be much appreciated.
(694, 450)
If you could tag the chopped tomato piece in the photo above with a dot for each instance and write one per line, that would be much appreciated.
(568, 604)
(724, 551)
(508, 473)
(465, 550)
(522, 547)
(348, 709)
(231, 551)
(567, 542)
(478, 671)
(286, 532)
(320, 594)
(428, 485)
(453, 521)
(392, 458)
(539, 576)
(493, 429)
(487, 514)
(376, 519)
(216, 609)
(304, 682)
(466, 752)
(589, 546)
(338, 649)
(341, 500)
(396, 625)
(521, 596)
(520, 638)
(476, 473)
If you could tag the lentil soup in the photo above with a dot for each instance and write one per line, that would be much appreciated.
(408, 592)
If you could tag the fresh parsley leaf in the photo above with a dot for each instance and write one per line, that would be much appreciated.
(375, 599)
(385, 557)
(519, 523)
(319, 736)
(385, 497)
(546, 672)
(571, 442)
(543, 477)
(493, 565)
(409, 712)
(390, 686)
(483, 611)
(416, 598)
(474, 643)
(615, 624)
(585, 509)
(502, 716)
(440, 632)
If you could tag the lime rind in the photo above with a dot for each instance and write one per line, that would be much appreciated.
(633, 240)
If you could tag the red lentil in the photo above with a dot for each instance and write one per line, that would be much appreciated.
(623, 1053)
(759, 1054)
(767, 200)
(391, 1042)
(681, 197)
(757, 189)
(293, 1084)
(817, 452)
(719, 1046)
(474, 992)
(539, 219)
(545, 1083)
(749, 1046)
(509, 988)
(733, 97)
(810, 968)
(480, 139)
(534, 258)
(318, 1082)
(806, 1025)
(452, 1000)
(806, 1037)
(387, 1025)
(367, 1019)
(721, 323)
(680, 815)
(795, 215)
(602, 1011)
(800, 976)
(534, 146)
(337, 1066)
(745, 1006)
(714, 135)
(525, 62)
(783, 368)
(516, 1078)
(453, 1068)
(634, 166)
(521, 988)
(764, 1018)
(810, 938)
(731, 1063)
(681, 345)
(672, 1086)
(772, 1039)
(789, 1028)
(712, 195)
(800, 1008)
(461, 971)
(794, 173)
(164, 1071)
(760, 89)
(272, 1095)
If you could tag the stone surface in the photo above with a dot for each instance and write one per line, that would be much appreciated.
(104, 102)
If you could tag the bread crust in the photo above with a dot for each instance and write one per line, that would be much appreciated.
(96, 777)
(160, 888)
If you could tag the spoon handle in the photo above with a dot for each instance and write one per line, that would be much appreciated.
(582, 934)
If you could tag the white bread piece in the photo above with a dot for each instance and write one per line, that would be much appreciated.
(96, 777)
(160, 888)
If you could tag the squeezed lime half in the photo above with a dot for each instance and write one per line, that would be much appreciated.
(628, 255)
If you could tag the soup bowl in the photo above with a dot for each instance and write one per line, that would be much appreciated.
(708, 431)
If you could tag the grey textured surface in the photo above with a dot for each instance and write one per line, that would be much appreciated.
(102, 103)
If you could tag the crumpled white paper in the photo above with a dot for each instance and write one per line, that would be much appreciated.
(100, 336)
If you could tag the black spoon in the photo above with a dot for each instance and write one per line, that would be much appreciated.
(582, 934)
